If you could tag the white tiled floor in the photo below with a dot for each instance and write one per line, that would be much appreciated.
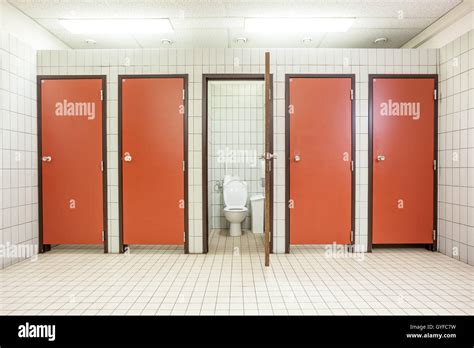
(231, 279)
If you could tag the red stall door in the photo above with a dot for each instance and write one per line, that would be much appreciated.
(152, 160)
(403, 160)
(71, 167)
(320, 160)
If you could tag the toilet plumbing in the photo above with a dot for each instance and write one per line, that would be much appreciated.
(218, 186)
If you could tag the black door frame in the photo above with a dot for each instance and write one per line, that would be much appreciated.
(432, 246)
(287, 149)
(120, 151)
(205, 199)
(46, 247)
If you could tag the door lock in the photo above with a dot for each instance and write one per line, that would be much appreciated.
(268, 156)
(297, 158)
(271, 156)
(46, 158)
(127, 157)
(380, 158)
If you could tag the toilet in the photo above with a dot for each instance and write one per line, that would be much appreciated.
(235, 200)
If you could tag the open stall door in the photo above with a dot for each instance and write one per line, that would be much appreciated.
(152, 163)
(403, 159)
(72, 156)
(266, 80)
(268, 157)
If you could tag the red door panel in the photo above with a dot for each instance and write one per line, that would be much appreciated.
(153, 181)
(72, 186)
(403, 133)
(321, 181)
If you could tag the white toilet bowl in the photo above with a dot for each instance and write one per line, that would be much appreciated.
(235, 216)
(235, 200)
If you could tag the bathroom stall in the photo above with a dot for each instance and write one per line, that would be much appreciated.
(233, 163)
(153, 162)
(403, 160)
(72, 161)
(320, 159)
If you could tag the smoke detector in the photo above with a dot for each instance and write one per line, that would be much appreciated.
(166, 42)
(380, 40)
(241, 40)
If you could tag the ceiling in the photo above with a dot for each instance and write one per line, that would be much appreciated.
(217, 23)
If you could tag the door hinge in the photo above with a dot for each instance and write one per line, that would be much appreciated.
(184, 236)
(101, 166)
(352, 94)
(184, 166)
(435, 165)
(352, 236)
(434, 234)
(269, 94)
(352, 166)
(103, 235)
(435, 94)
(101, 94)
(184, 94)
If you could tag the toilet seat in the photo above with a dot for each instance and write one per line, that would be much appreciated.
(235, 209)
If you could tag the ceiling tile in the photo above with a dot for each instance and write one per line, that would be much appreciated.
(392, 23)
(216, 23)
(364, 38)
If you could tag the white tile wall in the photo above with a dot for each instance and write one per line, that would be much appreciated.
(18, 156)
(196, 62)
(235, 140)
(456, 149)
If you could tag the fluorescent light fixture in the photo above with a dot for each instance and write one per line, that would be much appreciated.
(297, 25)
(117, 26)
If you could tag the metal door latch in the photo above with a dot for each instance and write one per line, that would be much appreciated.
(268, 156)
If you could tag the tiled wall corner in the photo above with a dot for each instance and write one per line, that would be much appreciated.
(456, 149)
(18, 152)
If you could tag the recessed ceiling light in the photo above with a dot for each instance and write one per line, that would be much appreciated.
(307, 40)
(298, 25)
(90, 41)
(166, 42)
(117, 26)
(241, 40)
(380, 40)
